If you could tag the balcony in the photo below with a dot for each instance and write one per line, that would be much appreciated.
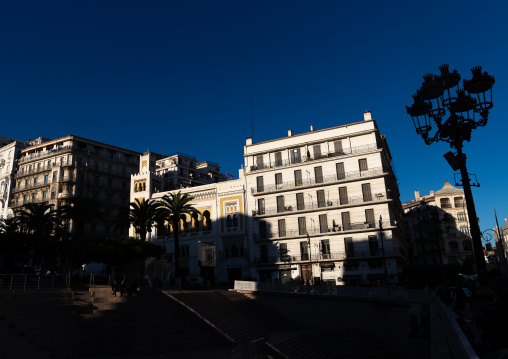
(302, 159)
(41, 154)
(46, 167)
(351, 227)
(32, 186)
(321, 205)
(320, 181)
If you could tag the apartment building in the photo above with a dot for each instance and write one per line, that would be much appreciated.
(437, 228)
(9, 150)
(53, 171)
(220, 221)
(324, 204)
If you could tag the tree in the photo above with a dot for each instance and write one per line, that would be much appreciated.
(81, 210)
(172, 208)
(39, 222)
(141, 215)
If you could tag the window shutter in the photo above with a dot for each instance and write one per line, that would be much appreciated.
(338, 146)
(340, 171)
(346, 221)
(321, 198)
(300, 204)
(323, 223)
(367, 195)
(369, 217)
(282, 227)
(302, 226)
(363, 164)
(318, 173)
(343, 195)
(317, 151)
(280, 204)
(260, 184)
(298, 178)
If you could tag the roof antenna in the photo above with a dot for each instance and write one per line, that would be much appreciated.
(251, 118)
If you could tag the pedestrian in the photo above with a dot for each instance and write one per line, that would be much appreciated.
(122, 288)
(114, 286)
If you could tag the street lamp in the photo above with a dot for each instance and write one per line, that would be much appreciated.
(432, 102)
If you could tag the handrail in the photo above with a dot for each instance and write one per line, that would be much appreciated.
(33, 281)
(317, 181)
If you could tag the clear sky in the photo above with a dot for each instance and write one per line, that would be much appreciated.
(177, 76)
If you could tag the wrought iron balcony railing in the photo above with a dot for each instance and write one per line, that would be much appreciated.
(301, 159)
(317, 181)
(296, 232)
(317, 205)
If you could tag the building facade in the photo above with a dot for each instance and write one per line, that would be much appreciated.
(53, 171)
(325, 205)
(437, 228)
(9, 150)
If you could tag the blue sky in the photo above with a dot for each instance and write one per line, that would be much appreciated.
(177, 76)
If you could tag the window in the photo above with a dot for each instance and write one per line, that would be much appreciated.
(35, 181)
(369, 218)
(300, 202)
(302, 226)
(278, 159)
(282, 227)
(34, 196)
(54, 176)
(373, 246)
(348, 247)
(321, 199)
(260, 184)
(46, 179)
(343, 198)
(262, 229)
(304, 251)
(317, 151)
(451, 232)
(325, 248)
(346, 221)
(283, 250)
(44, 195)
(340, 171)
(264, 253)
(96, 179)
(362, 163)
(464, 231)
(298, 178)
(318, 173)
(367, 195)
(95, 165)
(337, 146)
(323, 223)
(459, 202)
(466, 243)
(454, 246)
(261, 206)
(110, 168)
(278, 180)
(110, 182)
(445, 203)
(25, 199)
(259, 162)
(53, 192)
(280, 204)
(296, 156)
(461, 217)
(27, 183)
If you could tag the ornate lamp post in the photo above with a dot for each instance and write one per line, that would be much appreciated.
(467, 109)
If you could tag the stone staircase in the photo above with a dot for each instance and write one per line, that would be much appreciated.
(141, 325)
(94, 324)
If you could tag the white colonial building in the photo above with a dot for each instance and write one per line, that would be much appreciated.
(9, 150)
(325, 204)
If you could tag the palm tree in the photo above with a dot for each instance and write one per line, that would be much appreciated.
(81, 210)
(37, 219)
(141, 214)
(172, 208)
(8, 225)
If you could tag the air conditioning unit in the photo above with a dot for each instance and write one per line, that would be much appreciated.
(330, 203)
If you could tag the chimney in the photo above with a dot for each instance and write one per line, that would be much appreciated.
(311, 128)
(367, 116)
(290, 133)
(249, 141)
(417, 195)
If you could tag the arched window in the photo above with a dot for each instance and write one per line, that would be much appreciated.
(135, 187)
(195, 222)
(226, 252)
(207, 221)
(235, 221)
(183, 223)
(229, 222)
